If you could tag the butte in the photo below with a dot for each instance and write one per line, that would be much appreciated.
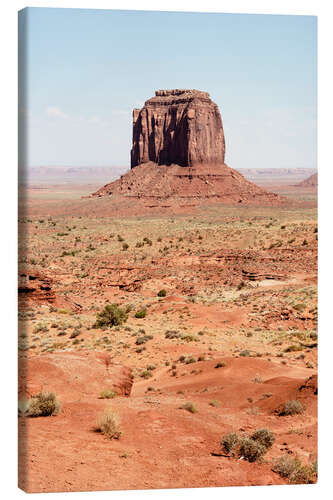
(178, 152)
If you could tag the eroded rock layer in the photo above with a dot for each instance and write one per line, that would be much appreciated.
(182, 127)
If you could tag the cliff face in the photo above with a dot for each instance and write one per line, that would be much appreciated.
(182, 127)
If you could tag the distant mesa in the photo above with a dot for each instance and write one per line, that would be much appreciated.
(310, 182)
(178, 152)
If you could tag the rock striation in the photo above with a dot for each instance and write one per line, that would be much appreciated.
(180, 126)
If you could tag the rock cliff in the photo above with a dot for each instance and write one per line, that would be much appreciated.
(182, 127)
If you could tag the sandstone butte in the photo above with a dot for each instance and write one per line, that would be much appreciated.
(178, 152)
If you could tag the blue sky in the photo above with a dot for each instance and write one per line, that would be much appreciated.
(87, 70)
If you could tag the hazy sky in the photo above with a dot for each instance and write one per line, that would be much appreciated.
(87, 70)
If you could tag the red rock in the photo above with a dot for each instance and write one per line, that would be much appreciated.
(311, 181)
(178, 153)
(182, 127)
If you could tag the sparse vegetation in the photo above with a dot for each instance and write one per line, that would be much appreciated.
(189, 407)
(142, 313)
(108, 394)
(252, 448)
(292, 407)
(108, 424)
(43, 404)
(112, 315)
(292, 468)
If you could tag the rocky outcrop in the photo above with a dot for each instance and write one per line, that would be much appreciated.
(182, 127)
(178, 155)
(311, 181)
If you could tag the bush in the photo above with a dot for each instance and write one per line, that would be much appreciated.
(125, 246)
(189, 407)
(229, 442)
(162, 293)
(292, 407)
(295, 471)
(112, 315)
(43, 405)
(250, 449)
(141, 314)
(144, 339)
(264, 437)
(245, 353)
(108, 424)
(220, 364)
(108, 394)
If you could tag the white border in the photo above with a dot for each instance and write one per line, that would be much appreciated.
(8, 149)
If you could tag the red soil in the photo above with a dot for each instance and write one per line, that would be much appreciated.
(161, 446)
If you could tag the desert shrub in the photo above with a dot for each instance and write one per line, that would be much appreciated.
(120, 238)
(250, 449)
(43, 404)
(162, 293)
(108, 424)
(108, 394)
(125, 246)
(146, 374)
(112, 315)
(189, 338)
(295, 471)
(172, 334)
(220, 364)
(144, 339)
(189, 407)
(245, 353)
(189, 360)
(229, 442)
(139, 244)
(40, 327)
(214, 403)
(292, 407)
(142, 313)
(264, 437)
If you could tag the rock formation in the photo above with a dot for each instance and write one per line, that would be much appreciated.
(178, 153)
(309, 182)
(182, 127)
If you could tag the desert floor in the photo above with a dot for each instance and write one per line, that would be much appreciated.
(235, 335)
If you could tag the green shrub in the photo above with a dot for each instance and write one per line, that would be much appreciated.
(264, 437)
(142, 313)
(214, 403)
(146, 374)
(292, 407)
(108, 394)
(245, 353)
(108, 424)
(162, 293)
(220, 364)
(229, 442)
(112, 315)
(43, 405)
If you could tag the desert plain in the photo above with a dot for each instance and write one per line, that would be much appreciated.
(220, 333)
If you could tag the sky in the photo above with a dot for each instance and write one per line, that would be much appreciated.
(83, 72)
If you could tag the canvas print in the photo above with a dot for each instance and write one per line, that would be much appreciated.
(167, 250)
